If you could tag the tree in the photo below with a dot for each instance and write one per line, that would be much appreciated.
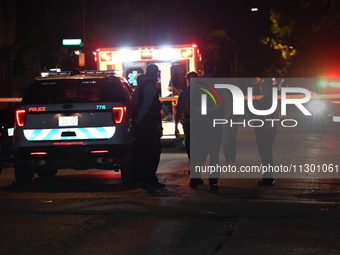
(277, 41)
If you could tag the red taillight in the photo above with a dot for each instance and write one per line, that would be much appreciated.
(118, 114)
(20, 116)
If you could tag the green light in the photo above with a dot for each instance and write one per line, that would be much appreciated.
(72, 42)
(323, 83)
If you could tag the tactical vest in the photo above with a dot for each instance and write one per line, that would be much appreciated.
(155, 104)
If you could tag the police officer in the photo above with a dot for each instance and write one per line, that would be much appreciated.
(206, 138)
(183, 112)
(266, 133)
(148, 130)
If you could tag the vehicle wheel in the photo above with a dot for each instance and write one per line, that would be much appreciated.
(22, 171)
(46, 174)
(126, 169)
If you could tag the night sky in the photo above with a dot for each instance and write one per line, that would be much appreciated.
(227, 31)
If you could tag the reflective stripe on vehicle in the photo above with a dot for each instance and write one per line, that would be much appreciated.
(69, 133)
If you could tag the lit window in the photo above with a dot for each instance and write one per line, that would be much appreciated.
(187, 53)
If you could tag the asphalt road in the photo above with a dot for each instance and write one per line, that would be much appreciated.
(91, 212)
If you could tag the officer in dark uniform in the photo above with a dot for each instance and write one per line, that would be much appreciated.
(148, 129)
(265, 134)
(183, 112)
(206, 139)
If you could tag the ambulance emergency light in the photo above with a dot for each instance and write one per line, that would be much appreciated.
(106, 56)
(163, 53)
(146, 54)
(187, 53)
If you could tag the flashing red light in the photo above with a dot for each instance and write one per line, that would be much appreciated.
(20, 116)
(194, 45)
(118, 114)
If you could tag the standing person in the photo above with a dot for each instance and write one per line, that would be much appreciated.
(206, 138)
(148, 128)
(229, 139)
(183, 112)
(209, 68)
(266, 133)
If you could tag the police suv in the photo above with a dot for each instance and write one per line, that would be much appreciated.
(74, 120)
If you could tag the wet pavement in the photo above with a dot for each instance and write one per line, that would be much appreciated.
(91, 212)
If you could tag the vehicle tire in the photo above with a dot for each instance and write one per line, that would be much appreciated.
(126, 169)
(22, 171)
(47, 174)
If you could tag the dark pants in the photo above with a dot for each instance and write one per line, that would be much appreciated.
(147, 150)
(205, 141)
(186, 129)
(229, 143)
(265, 139)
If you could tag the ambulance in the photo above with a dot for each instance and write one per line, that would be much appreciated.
(173, 62)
